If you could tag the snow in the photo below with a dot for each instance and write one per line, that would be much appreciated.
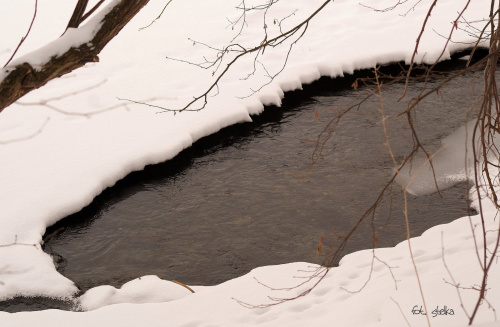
(59, 152)
(72, 37)
(146, 289)
(448, 164)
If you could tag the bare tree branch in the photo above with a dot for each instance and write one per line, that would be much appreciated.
(25, 36)
(23, 78)
(159, 16)
(201, 100)
(76, 18)
(91, 11)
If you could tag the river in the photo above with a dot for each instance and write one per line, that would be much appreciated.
(248, 196)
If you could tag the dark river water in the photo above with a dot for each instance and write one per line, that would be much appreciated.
(247, 196)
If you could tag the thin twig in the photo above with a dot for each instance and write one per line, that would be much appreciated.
(25, 36)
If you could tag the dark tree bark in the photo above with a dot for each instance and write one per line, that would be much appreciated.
(23, 78)
(76, 18)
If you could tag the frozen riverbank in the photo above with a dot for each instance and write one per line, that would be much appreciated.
(59, 155)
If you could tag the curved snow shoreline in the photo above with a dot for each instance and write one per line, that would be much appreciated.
(73, 158)
(386, 300)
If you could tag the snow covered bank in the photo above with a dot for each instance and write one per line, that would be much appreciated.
(390, 298)
(57, 155)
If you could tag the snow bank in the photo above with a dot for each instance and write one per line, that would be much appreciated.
(65, 143)
(146, 289)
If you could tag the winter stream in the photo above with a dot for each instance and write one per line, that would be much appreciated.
(247, 196)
